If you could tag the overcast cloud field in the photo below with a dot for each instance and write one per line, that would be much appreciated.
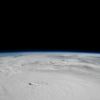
(49, 76)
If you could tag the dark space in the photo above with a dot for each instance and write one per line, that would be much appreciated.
(32, 43)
